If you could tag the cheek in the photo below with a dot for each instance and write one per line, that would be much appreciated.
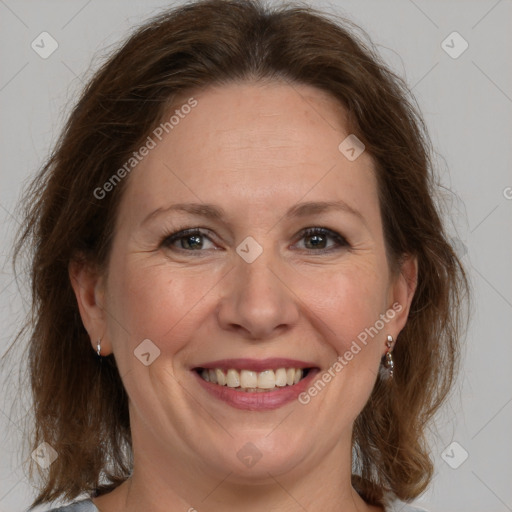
(350, 320)
(155, 302)
(347, 300)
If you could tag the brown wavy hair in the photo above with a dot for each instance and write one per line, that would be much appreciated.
(80, 405)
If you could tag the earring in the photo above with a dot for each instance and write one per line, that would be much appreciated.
(388, 362)
(98, 347)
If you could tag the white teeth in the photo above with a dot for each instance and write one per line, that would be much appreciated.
(281, 377)
(221, 378)
(248, 379)
(251, 381)
(233, 379)
(267, 380)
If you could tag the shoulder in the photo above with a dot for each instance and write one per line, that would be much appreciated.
(77, 506)
(400, 506)
(88, 506)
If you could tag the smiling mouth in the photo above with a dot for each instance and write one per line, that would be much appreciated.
(251, 381)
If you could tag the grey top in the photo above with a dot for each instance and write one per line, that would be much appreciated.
(77, 506)
(88, 506)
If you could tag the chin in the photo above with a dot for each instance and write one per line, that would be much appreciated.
(255, 459)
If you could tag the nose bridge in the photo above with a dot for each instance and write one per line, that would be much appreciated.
(257, 288)
(258, 300)
(256, 277)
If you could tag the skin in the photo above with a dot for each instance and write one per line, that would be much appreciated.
(255, 150)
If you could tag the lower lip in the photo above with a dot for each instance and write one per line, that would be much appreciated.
(258, 401)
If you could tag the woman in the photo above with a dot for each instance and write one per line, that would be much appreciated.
(240, 270)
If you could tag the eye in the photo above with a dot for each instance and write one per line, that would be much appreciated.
(316, 240)
(186, 240)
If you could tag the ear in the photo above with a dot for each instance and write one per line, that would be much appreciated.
(89, 287)
(401, 293)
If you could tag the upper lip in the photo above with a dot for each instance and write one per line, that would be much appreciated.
(256, 365)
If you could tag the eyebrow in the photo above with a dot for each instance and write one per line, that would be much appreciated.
(213, 212)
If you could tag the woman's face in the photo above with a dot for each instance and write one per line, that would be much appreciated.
(285, 268)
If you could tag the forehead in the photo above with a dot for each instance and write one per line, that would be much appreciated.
(252, 144)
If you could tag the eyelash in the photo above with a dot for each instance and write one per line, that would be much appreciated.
(340, 241)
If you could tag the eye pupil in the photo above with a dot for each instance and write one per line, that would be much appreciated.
(317, 240)
(197, 242)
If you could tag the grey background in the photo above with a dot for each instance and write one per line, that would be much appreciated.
(467, 104)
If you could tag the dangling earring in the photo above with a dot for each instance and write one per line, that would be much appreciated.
(98, 347)
(388, 362)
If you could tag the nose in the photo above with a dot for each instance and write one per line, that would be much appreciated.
(258, 302)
